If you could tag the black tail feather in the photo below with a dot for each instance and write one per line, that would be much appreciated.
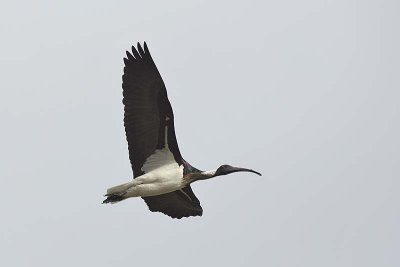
(113, 198)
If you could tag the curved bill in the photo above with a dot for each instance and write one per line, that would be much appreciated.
(235, 169)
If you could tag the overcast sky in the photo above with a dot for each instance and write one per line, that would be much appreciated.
(306, 92)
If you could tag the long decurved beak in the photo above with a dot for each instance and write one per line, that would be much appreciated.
(236, 169)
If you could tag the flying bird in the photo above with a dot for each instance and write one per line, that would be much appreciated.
(161, 176)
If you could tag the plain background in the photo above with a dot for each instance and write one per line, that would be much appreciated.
(306, 92)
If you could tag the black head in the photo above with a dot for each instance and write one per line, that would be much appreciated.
(227, 169)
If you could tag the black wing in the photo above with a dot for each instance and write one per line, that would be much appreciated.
(147, 109)
(177, 204)
(147, 112)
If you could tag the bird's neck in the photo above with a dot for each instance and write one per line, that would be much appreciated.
(208, 174)
(196, 176)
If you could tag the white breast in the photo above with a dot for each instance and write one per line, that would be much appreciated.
(162, 175)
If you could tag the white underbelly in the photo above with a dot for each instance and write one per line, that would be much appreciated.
(162, 175)
(146, 190)
(156, 182)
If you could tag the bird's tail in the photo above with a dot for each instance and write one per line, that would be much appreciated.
(113, 198)
(117, 193)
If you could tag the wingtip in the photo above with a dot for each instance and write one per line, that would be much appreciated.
(140, 49)
(129, 55)
(135, 53)
(146, 49)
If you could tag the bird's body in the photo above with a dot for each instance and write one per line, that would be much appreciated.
(156, 182)
(161, 176)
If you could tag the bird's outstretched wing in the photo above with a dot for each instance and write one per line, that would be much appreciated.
(147, 112)
(177, 204)
(147, 109)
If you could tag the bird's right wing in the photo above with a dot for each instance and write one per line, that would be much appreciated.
(177, 204)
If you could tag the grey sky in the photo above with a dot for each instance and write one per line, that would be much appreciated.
(306, 92)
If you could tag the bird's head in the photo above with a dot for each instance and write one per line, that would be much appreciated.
(227, 169)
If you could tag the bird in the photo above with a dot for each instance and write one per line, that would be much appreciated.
(160, 174)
